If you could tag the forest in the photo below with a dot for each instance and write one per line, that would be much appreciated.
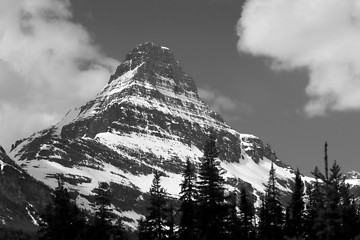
(324, 209)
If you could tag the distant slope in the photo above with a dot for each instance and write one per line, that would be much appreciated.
(21, 196)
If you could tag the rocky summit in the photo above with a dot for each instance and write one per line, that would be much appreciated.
(148, 117)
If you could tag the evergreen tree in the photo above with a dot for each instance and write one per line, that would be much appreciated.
(118, 230)
(272, 211)
(233, 223)
(211, 199)
(102, 225)
(296, 209)
(263, 219)
(247, 214)
(171, 235)
(62, 219)
(310, 213)
(187, 229)
(337, 209)
(143, 230)
(156, 220)
(350, 218)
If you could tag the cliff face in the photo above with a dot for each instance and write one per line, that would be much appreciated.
(149, 116)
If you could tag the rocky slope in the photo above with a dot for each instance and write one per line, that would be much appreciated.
(148, 117)
(21, 196)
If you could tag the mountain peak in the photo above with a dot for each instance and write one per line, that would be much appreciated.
(155, 64)
(153, 56)
(149, 117)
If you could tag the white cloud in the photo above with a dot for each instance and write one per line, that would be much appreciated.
(48, 64)
(320, 35)
(230, 109)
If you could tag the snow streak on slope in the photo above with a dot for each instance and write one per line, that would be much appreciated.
(161, 147)
(256, 174)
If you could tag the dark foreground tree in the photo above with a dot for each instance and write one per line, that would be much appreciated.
(187, 225)
(232, 222)
(62, 219)
(337, 217)
(143, 230)
(295, 215)
(156, 225)
(247, 216)
(211, 199)
(118, 230)
(102, 227)
(271, 213)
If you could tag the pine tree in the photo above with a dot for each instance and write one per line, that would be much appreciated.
(143, 230)
(156, 220)
(62, 219)
(187, 226)
(272, 211)
(263, 219)
(296, 209)
(247, 214)
(118, 230)
(171, 235)
(332, 218)
(313, 204)
(349, 214)
(211, 198)
(101, 228)
(233, 221)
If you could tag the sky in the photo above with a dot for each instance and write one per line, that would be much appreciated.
(285, 71)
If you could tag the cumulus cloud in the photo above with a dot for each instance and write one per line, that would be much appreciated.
(321, 36)
(48, 64)
(230, 109)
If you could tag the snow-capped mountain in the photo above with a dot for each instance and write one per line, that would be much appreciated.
(148, 117)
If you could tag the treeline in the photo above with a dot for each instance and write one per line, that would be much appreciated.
(207, 210)
(63, 220)
(322, 210)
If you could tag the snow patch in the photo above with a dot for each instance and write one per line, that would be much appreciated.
(256, 174)
(69, 117)
(161, 147)
(30, 213)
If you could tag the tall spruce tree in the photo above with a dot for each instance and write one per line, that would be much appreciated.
(62, 219)
(271, 214)
(247, 215)
(102, 228)
(296, 209)
(143, 230)
(118, 230)
(337, 208)
(211, 194)
(171, 234)
(233, 230)
(313, 204)
(187, 225)
(156, 220)
(263, 219)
